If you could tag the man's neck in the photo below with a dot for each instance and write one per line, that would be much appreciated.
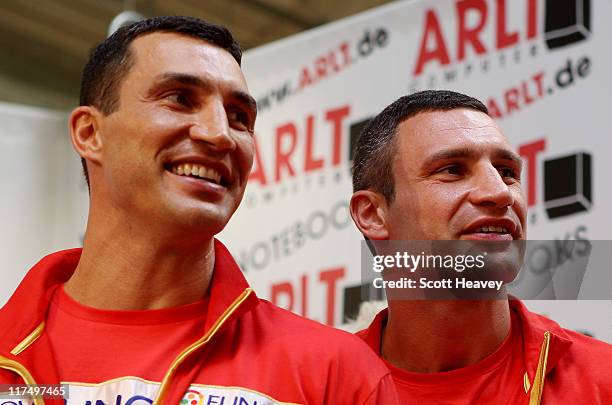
(127, 269)
(429, 336)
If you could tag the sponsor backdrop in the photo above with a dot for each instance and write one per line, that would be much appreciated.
(541, 66)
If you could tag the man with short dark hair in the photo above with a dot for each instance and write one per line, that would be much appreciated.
(434, 166)
(154, 309)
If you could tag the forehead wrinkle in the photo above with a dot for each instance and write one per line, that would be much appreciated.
(474, 131)
(468, 128)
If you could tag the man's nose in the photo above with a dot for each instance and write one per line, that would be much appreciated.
(212, 128)
(490, 189)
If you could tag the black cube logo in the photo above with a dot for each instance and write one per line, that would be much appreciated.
(567, 185)
(566, 22)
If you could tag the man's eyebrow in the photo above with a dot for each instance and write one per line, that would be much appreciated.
(448, 154)
(181, 78)
(463, 153)
(246, 99)
(509, 155)
(195, 81)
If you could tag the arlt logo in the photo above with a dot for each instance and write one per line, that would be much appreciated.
(483, 27)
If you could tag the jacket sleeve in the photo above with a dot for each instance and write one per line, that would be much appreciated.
(384, 393)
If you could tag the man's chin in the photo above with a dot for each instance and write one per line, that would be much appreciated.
(202, 218)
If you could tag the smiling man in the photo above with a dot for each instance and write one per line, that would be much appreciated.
(154, 309)
(434, 166)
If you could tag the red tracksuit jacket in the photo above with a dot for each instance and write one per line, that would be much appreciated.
(561, 366)
(301, 361)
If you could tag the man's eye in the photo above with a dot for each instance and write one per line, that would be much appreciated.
(508, 172)
(239, 118)
(179, 98)
(451, 169)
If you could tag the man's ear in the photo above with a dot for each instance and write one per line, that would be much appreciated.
(84, 132)
(368, 209)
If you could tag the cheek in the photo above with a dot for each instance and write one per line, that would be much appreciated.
(442, 200)
(161, 118)
(148, 121)
(520, 204)
(245, 152)
(444, 208)
(403, 215)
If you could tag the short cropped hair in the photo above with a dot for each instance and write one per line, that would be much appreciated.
(111, 60)
(376, 145)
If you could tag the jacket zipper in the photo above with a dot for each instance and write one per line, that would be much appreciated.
(538, 380)
(163, 390)
(31, 338)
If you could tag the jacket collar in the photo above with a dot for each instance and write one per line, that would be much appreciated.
(27, 307)
(532, 327)
(227, 284)
(372, 335)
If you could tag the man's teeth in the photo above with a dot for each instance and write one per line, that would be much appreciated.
(190, 169)
(490, 229)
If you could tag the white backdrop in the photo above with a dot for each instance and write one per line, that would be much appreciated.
(43, 204)
(542, 70)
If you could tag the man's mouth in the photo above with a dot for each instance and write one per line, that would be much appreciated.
(198, 171)
(488, 228)
(492, 229)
